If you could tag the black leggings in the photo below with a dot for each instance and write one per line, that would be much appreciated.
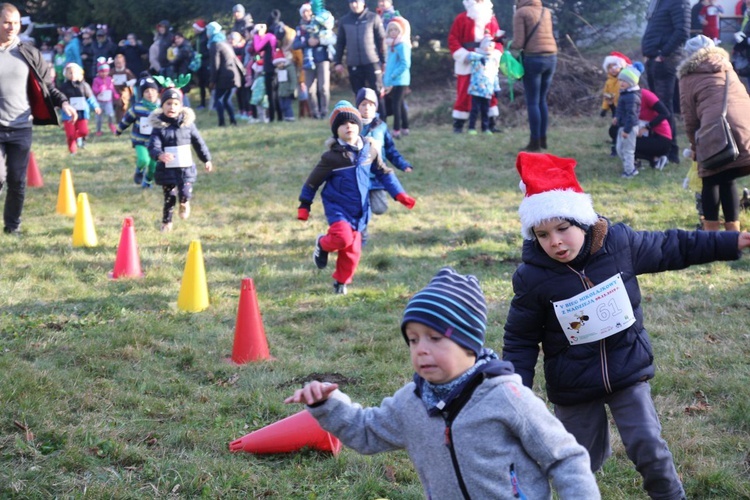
(720, 189)
(400, 116)
(171, 193)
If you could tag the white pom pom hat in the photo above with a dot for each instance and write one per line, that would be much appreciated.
(551, 191)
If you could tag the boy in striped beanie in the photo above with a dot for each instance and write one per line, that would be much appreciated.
(506, 443)
(344, 172)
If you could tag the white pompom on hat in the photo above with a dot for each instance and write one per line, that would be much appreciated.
(617, 58)
(551, 191)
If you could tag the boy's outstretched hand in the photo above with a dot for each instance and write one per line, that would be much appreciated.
(313, 392)
(406, 200)
(743, 241)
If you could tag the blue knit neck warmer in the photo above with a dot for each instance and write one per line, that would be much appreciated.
(437, 396)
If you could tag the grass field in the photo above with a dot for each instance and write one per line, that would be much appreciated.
(107, 390)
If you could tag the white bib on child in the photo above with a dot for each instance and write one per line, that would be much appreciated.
(282, 75)
(183, 156)
(596, 313)
(79, 103)
(144, 124)
(119, 79)
(105, 95)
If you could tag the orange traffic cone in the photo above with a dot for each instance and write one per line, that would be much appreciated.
(127, 262)
(84, 233)
(33, 175)
(250, 342)
(193, 295)
(66, 197)
(290, 434)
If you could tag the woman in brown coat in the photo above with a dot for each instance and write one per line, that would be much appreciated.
(703, 76)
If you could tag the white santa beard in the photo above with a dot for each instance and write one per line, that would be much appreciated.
(481, 14)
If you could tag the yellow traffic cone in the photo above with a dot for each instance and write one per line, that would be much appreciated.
(193, 289)
(66, 197)
(84, 234)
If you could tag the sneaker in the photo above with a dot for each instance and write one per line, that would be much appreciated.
(396, 134)
(166, 227)
(339, 288)
(488, 132)
(320, 256)
(613, 152)
(146, 184)
(404, 132)
(472, 132)
(661, 162)
(98, 133)
(200, 108)
(138, 176)
(17, 231)
(79, 142)
(184, 210)
(626, 175)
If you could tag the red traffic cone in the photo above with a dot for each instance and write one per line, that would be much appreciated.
(250, 342)
(127, 262)
(293, 433)
(33, 175)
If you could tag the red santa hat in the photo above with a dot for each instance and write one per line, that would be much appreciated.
(279, 57)
(551, 191)
(199, 25)
(617, 58)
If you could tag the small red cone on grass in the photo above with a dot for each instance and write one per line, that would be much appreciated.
(293, 433)
(250, 343)
(127, 262)
(33, 174)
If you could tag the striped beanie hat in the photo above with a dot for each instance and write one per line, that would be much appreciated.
(453, 305)
(343, 112)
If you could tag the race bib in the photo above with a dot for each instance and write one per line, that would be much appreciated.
(596, 313)
(79, 103)
(120, 79)
(105, 95)
(712, 11)
(183, 156)
(144, 124)
(282, 75)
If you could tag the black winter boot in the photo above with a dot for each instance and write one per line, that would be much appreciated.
(458, 126)
(543, 142)
(493, 125)
(533, 146)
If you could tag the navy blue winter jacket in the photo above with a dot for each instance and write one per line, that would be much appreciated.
(668, 28)
(166, 134)
(628, 109)
(578, 373)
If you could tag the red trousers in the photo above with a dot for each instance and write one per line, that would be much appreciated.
(347, 242)
(74, 130)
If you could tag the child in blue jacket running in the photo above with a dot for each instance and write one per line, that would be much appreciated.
(138, 117)
(345, 170)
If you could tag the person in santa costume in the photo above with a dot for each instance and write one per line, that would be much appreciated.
(467, 31)
(576, 295)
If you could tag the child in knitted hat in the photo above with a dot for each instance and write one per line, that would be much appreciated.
(138, 117)
(626, 119)
(375, 127)
(470, 427)
(173, 135)
(577, 294)
(345, 170)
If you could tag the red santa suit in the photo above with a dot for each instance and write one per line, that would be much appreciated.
(464, 37)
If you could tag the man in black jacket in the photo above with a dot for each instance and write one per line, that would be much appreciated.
(27, 97)
(666, 32)
(362, 35)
